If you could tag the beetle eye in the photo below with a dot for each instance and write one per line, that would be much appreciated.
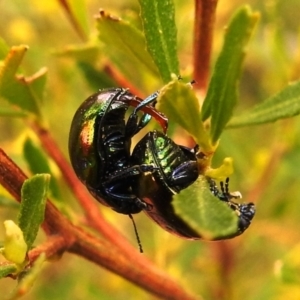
(199, 154)
(196, 149)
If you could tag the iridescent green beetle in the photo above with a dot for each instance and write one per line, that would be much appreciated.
(175, 168)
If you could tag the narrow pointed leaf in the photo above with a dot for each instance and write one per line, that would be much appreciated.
(222, 92)
(123, 40)
(18, 91)
(207, 215)
(34, 195)
(38, 163)
(158, 19)
(178, 101)
(285, 104)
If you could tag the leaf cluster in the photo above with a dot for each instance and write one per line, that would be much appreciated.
(142, 54)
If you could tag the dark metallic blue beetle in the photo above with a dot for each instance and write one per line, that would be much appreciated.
(99, 146)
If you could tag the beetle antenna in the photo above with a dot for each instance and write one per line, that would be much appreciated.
(136, 234)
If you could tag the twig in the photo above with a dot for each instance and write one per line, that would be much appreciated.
(100, 251)
(203, 37)
(151, 279)
(122, 81)
(54, 246)
(224, 254)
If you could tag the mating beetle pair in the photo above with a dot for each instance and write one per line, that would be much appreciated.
(147, 179)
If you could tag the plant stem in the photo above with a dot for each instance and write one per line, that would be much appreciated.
(203, 37)
(101, 251)
(54, 246)
(122, 81)
(151, 279)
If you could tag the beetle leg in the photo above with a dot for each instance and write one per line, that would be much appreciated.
(133, 126)
(129, 172)
(184, 174)
(126, 202)
(150, 100)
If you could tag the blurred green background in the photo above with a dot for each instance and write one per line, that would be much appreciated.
(263, 263)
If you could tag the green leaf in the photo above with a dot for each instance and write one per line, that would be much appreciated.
(158, 17)
(285, 104)
(7, 269)
(204, 213)
(34, 196)
(222, 91)
(124, 41)
(38, 163)
(19, 90)
(178, 101)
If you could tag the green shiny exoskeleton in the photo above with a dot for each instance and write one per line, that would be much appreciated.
(176, 168)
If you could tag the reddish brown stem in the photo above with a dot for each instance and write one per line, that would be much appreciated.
(203, 36)
(224, 255)
(90, 206)
(75, 240)
(122, 81)
(54, 246)
(152, 279)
